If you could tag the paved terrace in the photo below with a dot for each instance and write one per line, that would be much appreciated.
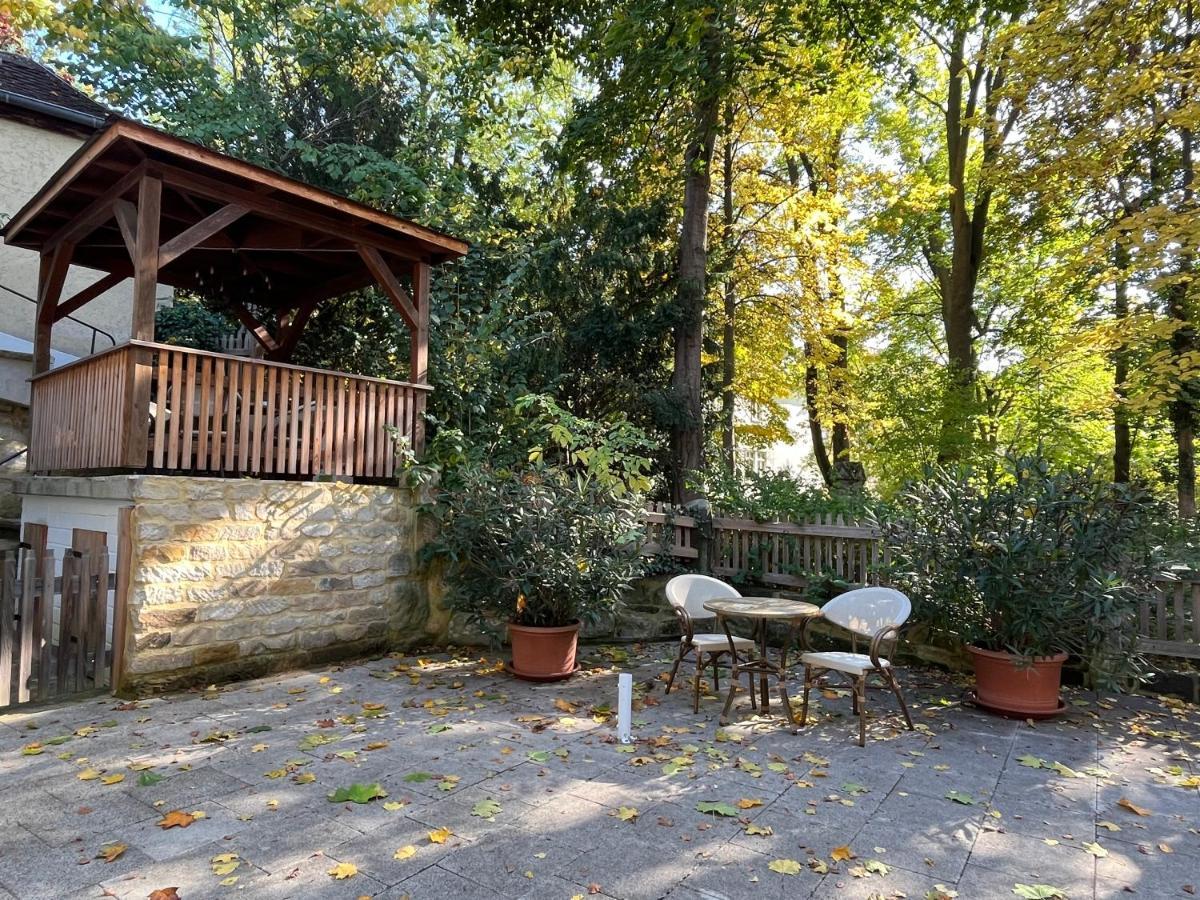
(497, 788)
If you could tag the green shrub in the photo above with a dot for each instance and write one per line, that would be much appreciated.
(187, 322)
(1037, 563)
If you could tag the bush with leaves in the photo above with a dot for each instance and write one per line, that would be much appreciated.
(777, 495)
(1035, 563)
(550, 537)
(188, 322)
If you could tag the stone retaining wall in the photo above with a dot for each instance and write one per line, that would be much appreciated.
(235, 577)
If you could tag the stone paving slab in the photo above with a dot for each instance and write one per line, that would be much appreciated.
(1101, 802)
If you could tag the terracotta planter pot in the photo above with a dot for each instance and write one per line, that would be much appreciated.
(543, 654)
(1006, 686)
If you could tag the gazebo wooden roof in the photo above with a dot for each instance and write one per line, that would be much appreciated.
(134, 202)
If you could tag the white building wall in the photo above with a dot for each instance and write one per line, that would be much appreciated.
(28, 157)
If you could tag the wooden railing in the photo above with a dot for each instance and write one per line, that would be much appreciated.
(786, 554)
(157, 407)
(1169, 621)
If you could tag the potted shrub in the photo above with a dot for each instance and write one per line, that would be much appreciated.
(536, 550)
(1028, 569)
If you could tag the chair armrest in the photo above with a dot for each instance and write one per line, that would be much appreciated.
(685, 622)
(891, 632)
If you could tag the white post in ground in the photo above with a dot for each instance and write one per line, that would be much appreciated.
(624, 707)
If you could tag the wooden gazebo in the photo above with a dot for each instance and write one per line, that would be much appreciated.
(136, 203)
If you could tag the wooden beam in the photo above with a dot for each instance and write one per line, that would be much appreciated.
(89, 293)
(387, 279)
(201, 231)
(255, 327)
(52, 275)
(145, 260)
(126, 215)
(280, 210)
(419, 356)
(100, 210)
(289, 335)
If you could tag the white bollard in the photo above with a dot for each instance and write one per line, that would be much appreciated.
(624, 707)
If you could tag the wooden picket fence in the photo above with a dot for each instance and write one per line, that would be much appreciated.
(1169, 621)
(786, 554)
(56, 635)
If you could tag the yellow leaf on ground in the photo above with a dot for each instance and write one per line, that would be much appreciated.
(840, 854)
(109, 852)
(258, 748)
(343, 870)
(626, 813)
(563, 706)
(440, 835)
(176, 818)
(749, 803)
(405, 852)
(88, 775)
(225, 863)
(785, 866)
(1125, 803)
(116, 778)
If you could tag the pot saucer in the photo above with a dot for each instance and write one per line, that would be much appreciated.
(970, 697)
(516, 673)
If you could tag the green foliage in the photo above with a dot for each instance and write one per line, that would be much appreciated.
(187, 322)
(777, 496)
(536, 547)
(1036, 563)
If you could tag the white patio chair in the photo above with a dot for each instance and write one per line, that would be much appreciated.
(687, 595)
(876, 613)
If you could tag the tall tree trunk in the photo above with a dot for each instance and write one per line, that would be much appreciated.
(687, 430)
(812, 404)
(958, 276)
(1122, 433)
(1183, 341)
(728, 343)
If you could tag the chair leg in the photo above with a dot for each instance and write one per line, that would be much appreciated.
(716, 678)
(854, 700)
(675, 666)
(750, 689)
(787, 706)
(807, 688)
(860, 694)
(895, 686)
(696, 684)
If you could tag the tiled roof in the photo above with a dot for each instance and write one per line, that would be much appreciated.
(21, 75)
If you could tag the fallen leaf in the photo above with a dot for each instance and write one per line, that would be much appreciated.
(720, 809)
(88, 775)
(785, 866)
(343, 871)
(749, 803)
(304, 778)
(393, 805)
(115, 778)
(763, 830)
(486, 809)
(176, 818)
(1111, 826)
(358, 793)
(109, 852)
(440, 835)
(225, 863)
(167, 893)
(1038, 892)
(626, 813)
(405, 852)
(960, 797)
(839, 854)
(1125, 803)
(1095, 849)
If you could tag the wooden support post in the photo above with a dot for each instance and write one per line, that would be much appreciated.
(201, 231)
(419, 360)
(126, 216)
(88, 294)
(145, 263)
(419, 352)
(52, 275)
(121, 597)
(145, 284)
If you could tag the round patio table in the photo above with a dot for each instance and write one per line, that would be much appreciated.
(763, 611)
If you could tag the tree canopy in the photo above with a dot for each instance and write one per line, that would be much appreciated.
(950, 232)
